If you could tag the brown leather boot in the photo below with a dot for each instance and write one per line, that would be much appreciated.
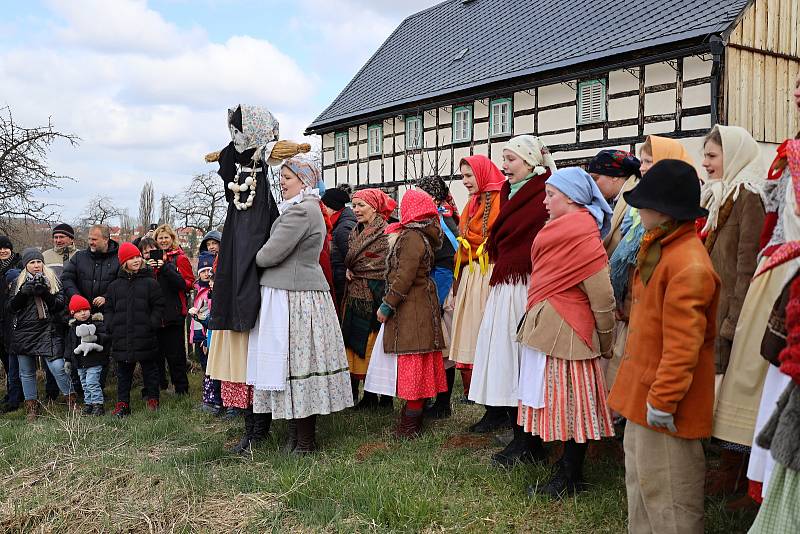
(72, 401)
(410, 424)
(31, 410)
(306, 435)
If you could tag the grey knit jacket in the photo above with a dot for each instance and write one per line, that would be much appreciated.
(781, 434)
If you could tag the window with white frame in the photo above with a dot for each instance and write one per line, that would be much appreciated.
(341, 146)
(462, 124)
(500, 117)
(413, 133)
(591, 101)
(375, 140)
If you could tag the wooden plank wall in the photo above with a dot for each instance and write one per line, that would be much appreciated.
(762, 64)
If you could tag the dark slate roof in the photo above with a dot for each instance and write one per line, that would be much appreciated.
(512, 38)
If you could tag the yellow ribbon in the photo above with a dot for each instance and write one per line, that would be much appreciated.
(464, 243)
(483, 257)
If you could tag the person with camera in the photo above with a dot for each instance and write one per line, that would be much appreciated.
(176, 278)
(36, 309)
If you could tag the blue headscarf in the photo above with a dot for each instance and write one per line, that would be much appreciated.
(580, 187)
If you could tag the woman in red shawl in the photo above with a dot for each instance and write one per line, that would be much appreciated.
(407, 359)
(483, 180)
(366, 267)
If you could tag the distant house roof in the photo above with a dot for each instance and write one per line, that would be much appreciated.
(458, 44)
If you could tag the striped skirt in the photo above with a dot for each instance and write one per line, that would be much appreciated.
(574, 403)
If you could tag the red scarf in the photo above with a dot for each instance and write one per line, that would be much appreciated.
(567, 251)
(511, 235)
(790, 356)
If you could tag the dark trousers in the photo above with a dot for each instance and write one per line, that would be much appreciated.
(172, 353)
(13, 396)
(201, 353)
(125, 378)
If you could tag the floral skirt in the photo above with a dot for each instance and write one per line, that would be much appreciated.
(236, 395)
(420, 376)
(318, 379)
(574, 403)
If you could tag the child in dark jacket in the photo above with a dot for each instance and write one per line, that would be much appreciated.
(86, 347)
(133, 312)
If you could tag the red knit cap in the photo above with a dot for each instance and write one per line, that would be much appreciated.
(127, 251)
(78, 303)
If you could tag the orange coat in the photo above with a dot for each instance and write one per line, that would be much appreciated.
(669, 357)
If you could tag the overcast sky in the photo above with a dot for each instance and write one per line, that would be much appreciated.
(146, 84)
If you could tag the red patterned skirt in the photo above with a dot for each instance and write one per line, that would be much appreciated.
(236, 395)
(420, 376)
(574, 403)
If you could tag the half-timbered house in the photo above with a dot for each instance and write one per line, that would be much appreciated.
(463, 76)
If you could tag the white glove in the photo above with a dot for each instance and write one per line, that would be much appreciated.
(659, 419)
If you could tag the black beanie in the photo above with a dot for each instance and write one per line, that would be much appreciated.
(5, 242)
(30, 254)
(335, 199)
(65, 229)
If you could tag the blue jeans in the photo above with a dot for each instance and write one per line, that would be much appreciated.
(27, 372)
(90, 381)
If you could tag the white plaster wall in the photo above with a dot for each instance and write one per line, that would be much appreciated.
(655, 128)
(482, 149)
(497, 153)
(480, 109)
(329, 177)
(388, 144)
(523, 125)
(659, 103)
(374, 167)
(559, 139)
(429, 118)
(463, 152)
(429, 139)
(623, 131)
(591, 135)
(328, 158)
(696, 96)
(623, 108)
(523, 100)
(694, 67)
(555, 94)
(445, 135)
(696, 123)
(445, 163)
(460, 194)
(328, 140)
(556, 119)
(480, 131)
(658, 73)
(620, 81)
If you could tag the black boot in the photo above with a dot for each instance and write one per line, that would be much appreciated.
(244, 444)
(386, 402)
(525, 448)
(568, 478)
(495, 418)
(306, 435)
(354, 382)
(369, 401)
(261, 424)
(291, 428)
(441, 408)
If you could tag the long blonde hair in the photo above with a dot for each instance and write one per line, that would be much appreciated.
(49, 275)
(167, 229)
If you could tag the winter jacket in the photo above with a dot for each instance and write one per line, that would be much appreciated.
(669, 357)
(734, 247)
(176, 279)
(614, 236)
(781, 434)
(134, 310)
(216, 235)
(72, 340)
(344, 226)
(445, 256)
(89, 273)
(202, 302)
(5, 319)
(57, 260)
(32, 335)
(415, 326)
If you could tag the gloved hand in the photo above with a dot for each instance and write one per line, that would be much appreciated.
(659, 419)
(68, 367)
(40, 289)
(26, 289)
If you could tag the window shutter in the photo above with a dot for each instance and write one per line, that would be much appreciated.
(592, 102)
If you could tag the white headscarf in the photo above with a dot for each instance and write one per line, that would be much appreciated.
(743, 166)
(531, 149)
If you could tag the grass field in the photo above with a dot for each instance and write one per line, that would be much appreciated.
(170, 472)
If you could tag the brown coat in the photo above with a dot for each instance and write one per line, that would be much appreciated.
(613, 237)
(734, 250)
(668, 360)
(545, 330)
(416, 324)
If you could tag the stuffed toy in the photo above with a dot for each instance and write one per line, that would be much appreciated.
(88, 338)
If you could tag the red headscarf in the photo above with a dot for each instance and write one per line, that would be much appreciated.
(416, 206)
(487, 176)
(383, 203)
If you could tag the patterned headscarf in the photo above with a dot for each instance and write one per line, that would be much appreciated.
(615, 163)
(251, 127)
(531, 149)
(416, 206)
(435, 186)
(305, 170)
(384, 204)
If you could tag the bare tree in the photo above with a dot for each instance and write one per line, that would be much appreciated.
(24, 171)
(127, 225)
(166, 215)
(202, 204)
(147, 204)
(99, 210)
